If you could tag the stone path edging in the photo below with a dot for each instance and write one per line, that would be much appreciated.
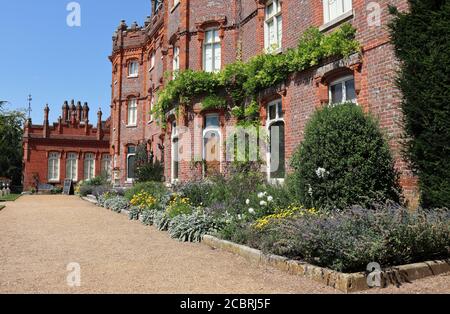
(341, 281)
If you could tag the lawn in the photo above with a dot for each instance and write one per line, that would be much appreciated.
(9, 198)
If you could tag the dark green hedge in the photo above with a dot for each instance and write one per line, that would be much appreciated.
(422, 43)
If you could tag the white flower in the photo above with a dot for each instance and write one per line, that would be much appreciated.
(251, 211)
(270, 199)
(260, 195)
(247, 202)
(239, 217)
(263, 203)
(310, 191)
(321, 172)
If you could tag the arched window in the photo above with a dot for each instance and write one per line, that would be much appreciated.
(175, 152)
(89, 166)
(212, 51)
(132, 112)
(211, 144)
(342, 90)
(131, 163)
(273, 26)
(133, 68)
(276, 160)
(72, 166)
(106, 166)
(53, 167)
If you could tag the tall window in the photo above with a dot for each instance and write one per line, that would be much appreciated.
(72, 167)
(211, 144)
(53, 167)
(89, 166)
(131, 163)
(212, 51)
(176, 59)
(133, 69)
(152, 60)
(175, 152)
(106, 166)
(132, 112)
(152, 104)
(343, 90)
(276, 154)
(332, 9)
(273, 28)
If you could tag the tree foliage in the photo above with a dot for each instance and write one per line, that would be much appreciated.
(11, 151)
(421, 38)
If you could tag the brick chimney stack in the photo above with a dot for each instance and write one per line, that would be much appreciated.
(79, 109)
(99, 124)
(46, 124)
(65, 111)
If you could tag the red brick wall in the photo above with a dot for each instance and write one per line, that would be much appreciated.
(63, 139)
(374, 71)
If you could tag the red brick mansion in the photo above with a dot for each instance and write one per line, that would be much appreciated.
(209, 34)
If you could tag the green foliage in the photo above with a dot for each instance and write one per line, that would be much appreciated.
(11, 131)
(161, 220)
(192, 227)
(156, 189)
(179, 205)
(147, 169)
(343, 160)
(117, 204)
(421, 38)
(242, 81)
(214, 102)
(134, 213)
(349, 240)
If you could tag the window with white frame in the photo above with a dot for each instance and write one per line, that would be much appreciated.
(89, 166)
(342, 90)
(175, 152)
(106, 166)
(211, 144)
(273, 26)
(152, 104)
(176, 59)
(212, 51)
(276, 158)
(131, 163)
(133, 69)
(332, 9)
(72, 166)
(152, 60)
(53, 166)
(132, 112)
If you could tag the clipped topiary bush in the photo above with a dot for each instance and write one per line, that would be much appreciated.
(343, 160)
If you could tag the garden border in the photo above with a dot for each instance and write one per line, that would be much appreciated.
(345, 282)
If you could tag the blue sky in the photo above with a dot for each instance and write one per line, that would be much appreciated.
(41, 55)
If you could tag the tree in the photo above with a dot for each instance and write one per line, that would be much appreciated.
(11, 123)
(147, 169)
(421, 38)
(344, 160)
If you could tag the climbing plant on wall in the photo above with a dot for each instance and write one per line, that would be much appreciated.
(240, 82)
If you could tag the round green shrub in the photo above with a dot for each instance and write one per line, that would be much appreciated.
(344, 160)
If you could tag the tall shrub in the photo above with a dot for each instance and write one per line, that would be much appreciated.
(421, 38)
(343, 160)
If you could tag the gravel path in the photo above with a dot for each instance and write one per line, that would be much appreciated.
(41, 235)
